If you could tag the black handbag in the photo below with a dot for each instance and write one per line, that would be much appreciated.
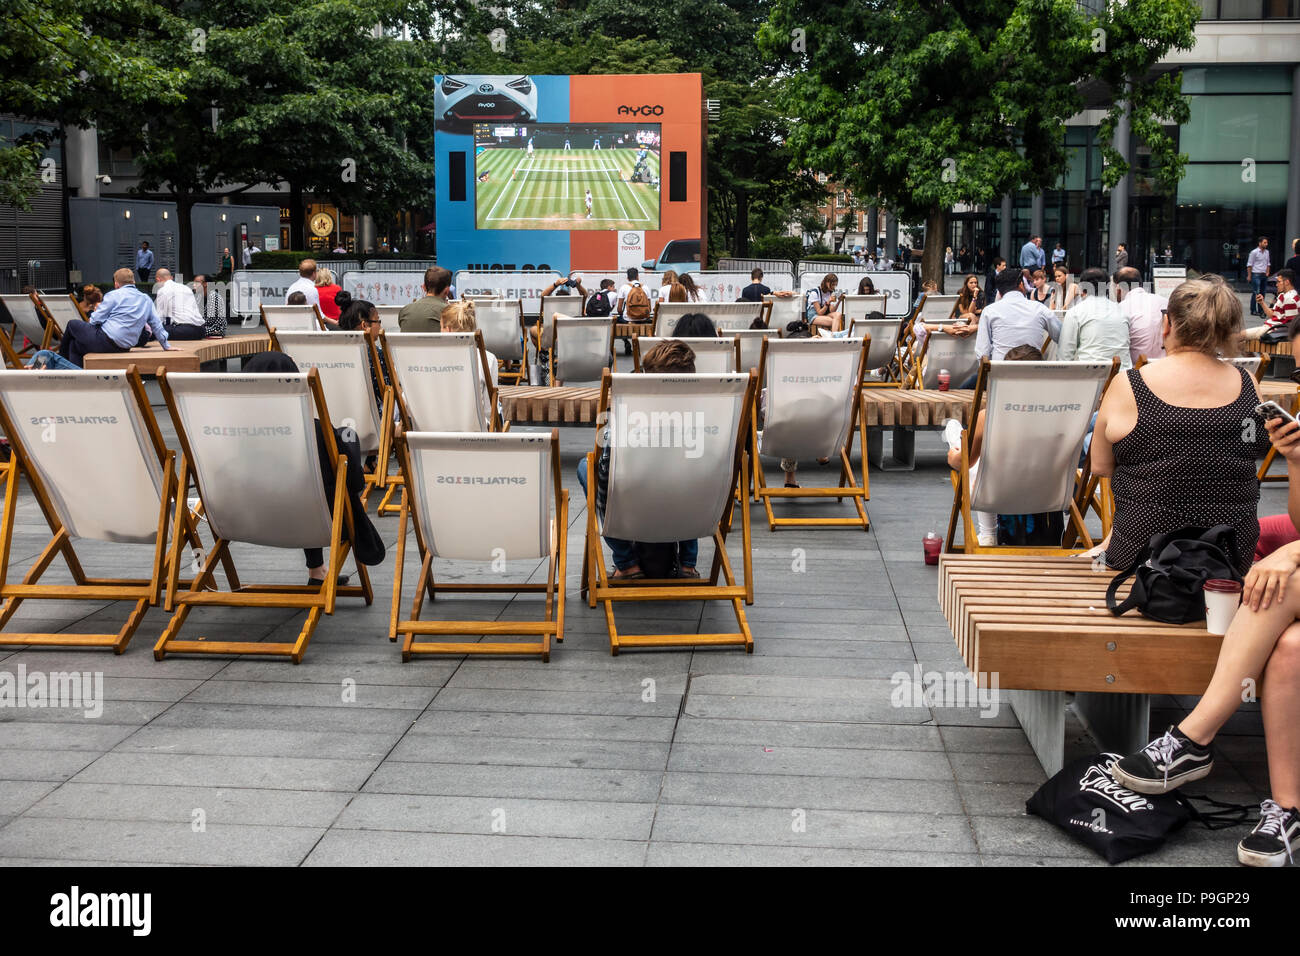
(1085, 801)
(1171, 572)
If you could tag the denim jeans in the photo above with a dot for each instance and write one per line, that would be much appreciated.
(1257, 280)
(625, 551)
(52, 360)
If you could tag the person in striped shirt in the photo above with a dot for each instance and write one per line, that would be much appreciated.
(1286, 307)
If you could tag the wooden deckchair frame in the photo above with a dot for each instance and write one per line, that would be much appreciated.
(53, 330)
(916, 379)
(379, 478)
(962, 490)
(8, 352)
(47, 330)
(895, 378)
(554, 588)
(394, 483)
(144, 592)
(848, 486)
(598, 586)
(315, 600)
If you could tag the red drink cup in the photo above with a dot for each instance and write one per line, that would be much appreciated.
(932, 544)
(945, 379)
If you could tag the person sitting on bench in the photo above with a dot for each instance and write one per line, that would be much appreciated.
(665, 358)
(177, 308)
(119, 324)
(1174, 434)
(1261, 647)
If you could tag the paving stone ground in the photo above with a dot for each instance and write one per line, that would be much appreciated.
(793, 755)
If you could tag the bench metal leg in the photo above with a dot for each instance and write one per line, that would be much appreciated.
(1042, 717)
(1119, 722)
(905, 448)
(876, 448)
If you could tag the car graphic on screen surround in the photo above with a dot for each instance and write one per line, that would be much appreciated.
(471, 97)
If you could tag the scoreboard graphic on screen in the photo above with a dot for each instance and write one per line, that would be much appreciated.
(559, 172)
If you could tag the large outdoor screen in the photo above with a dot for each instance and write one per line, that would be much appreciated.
(566, 176)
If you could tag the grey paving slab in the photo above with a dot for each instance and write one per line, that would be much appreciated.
(531, 752)
(18, 764)
(372, 848)
(810, 762)
(203, 770)
(138, 841)
(491, 816)
(212, 806)
(543, 783)
(823, 792)
(258, 742)
(713, 854)
(283, 717)
(776, 733)
(18, 795)
(545, 726)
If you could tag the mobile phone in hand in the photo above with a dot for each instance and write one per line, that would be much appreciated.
(1270, 410)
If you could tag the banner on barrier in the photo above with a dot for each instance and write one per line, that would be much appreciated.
(385, 288)
(249, 289)
(1165, 279)
(897, 286)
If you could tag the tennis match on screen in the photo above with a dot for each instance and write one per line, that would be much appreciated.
(567, 176)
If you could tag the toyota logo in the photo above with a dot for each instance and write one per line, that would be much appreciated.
(631, 239)
(485, 87)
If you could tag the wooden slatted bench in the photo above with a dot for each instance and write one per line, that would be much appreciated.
(549, 405)
(1041, 625)
(1256, 347)
(905, 410)
(183, 356)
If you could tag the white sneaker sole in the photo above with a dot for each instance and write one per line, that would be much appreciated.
(1139, 785)
(1251, 858)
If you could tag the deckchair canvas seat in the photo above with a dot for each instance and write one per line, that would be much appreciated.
(712, 356)
(482, 498)
(304, 318)
(582, 349)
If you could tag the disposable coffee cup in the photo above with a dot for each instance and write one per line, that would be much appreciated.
(1221, 601)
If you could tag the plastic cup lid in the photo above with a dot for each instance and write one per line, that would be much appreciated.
(1220, 585)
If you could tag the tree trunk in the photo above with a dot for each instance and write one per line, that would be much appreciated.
(936, 234)
(742, 225)
(297, 218)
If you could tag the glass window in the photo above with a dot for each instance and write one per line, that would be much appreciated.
(1237, 79)
(1222, 184)
(1241, 9)
(1237, 127)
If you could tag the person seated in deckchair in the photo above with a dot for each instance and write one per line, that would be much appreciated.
(695, 325)
(665, 358)
(367, 545)
(1044, 529)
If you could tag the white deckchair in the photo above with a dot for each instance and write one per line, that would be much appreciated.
(348, 364)
(553, 305)
(1036, 415)
(676, 452)
(29, 321)
(502, 323)
(782, 310)
(581, 350)
(506, 503)
(441, 382)
(860, 306)
(751, 346)
(956, 353)
(724, 315)
(388, 318)
(937, 308)
(712, 356)
(91, 450)
(810, 391)
(884, 350)
(304, 318)
(61, 309)
(249, 444)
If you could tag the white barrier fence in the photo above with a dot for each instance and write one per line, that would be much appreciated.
(897, 286)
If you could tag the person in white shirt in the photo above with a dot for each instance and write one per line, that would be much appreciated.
(178, 310)
(249, 251)
(1145, 313)
(305, 283)
(632, 276)
(1095, 329)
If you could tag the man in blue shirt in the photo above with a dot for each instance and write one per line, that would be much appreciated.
(117, 325)
(144, 261)
(1032, 255)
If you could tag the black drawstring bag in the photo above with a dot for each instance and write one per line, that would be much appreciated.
(1088, 803)
(1171, 572)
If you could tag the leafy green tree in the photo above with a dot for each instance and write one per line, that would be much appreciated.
(931, 104)
(67, 61)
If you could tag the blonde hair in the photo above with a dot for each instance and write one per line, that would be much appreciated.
(1205, 314)
(669, 277)
(677, 292)
(324, 276)
(459, 317)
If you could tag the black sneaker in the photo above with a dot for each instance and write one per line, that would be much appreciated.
(1269, 844)
(1165, 764)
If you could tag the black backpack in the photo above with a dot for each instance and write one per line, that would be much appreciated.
(1171, 573)
(658, 559)
(599, 305)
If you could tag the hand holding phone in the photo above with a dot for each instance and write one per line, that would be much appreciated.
(1271, 410)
